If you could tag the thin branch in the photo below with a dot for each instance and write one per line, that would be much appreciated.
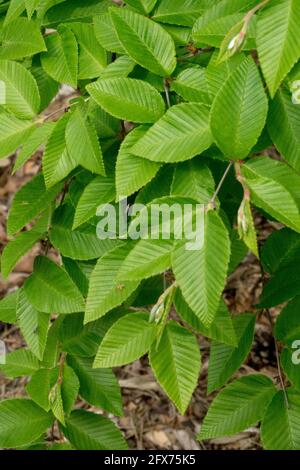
(281, 378)
(167, 90)
(64, 109)
(214, 198)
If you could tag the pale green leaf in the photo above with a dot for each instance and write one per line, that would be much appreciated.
(200, 274)
(99, 387)
(79, 244)
(20, 362)
(284, 127)
(29, 202)
(21, 91)
(82, 143)
(191, 84)
(92, 56)
(21, 422)
(181, 134)
(49, 289)
(13, 132)
(126, 341)
(176, 364)
(133, 172)
(281, 425)
(224, 359)
(278, 41)
(239, 111)
(275, 188)
(106, 291)
(240, 405)
(193, 179)
(128, 99)
(21, 38)
(61, 59)
(145, 41)
(34, 325)
(147, 258)
(101, 190)
(57, 162)
(89, 431)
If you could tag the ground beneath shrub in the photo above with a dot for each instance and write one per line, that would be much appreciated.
(150, 420)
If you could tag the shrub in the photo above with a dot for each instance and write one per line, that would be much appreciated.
(178, 104)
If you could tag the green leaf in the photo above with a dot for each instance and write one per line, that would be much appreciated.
(80, 244)
(8, 307)
(75, 10)
(61, 59)
(105, 291)
(106, 33)
(121, 67)
(180, 12)
(29, 202)
(290, 368)
(69, 389)
(283, 286)
(79, 339)
(225, 359)
(220, 31)
(57, 161)
(145, 41)
(56, 402)
(216, 13)
(287, 327)
(176, 364)
(48, 87)
(15, 9)
(181, 134)
(101, 190)
(38, 137)
(21, 422)
(126, 341)
(278, 41)
(106, 126)
(191, 84)
(31, 6)
(16, 249)
(133, 172)
(246, 227)
(284, 127)
(99, 387)
(89, 431)
(20, 362)
(146, 259)
(128, 99)
(21, 38)
(240, 405)
(200, 275)
(275, 188)
(21, 91)
(217, 73)
(142, 6)
(92, 56)
(193, 179)
(42, 381)
(281, 250)
(220, 330)
(82, 143)
(49, 289)
(34, 325)
(13, 132)
(239, 111)
(281, 425)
